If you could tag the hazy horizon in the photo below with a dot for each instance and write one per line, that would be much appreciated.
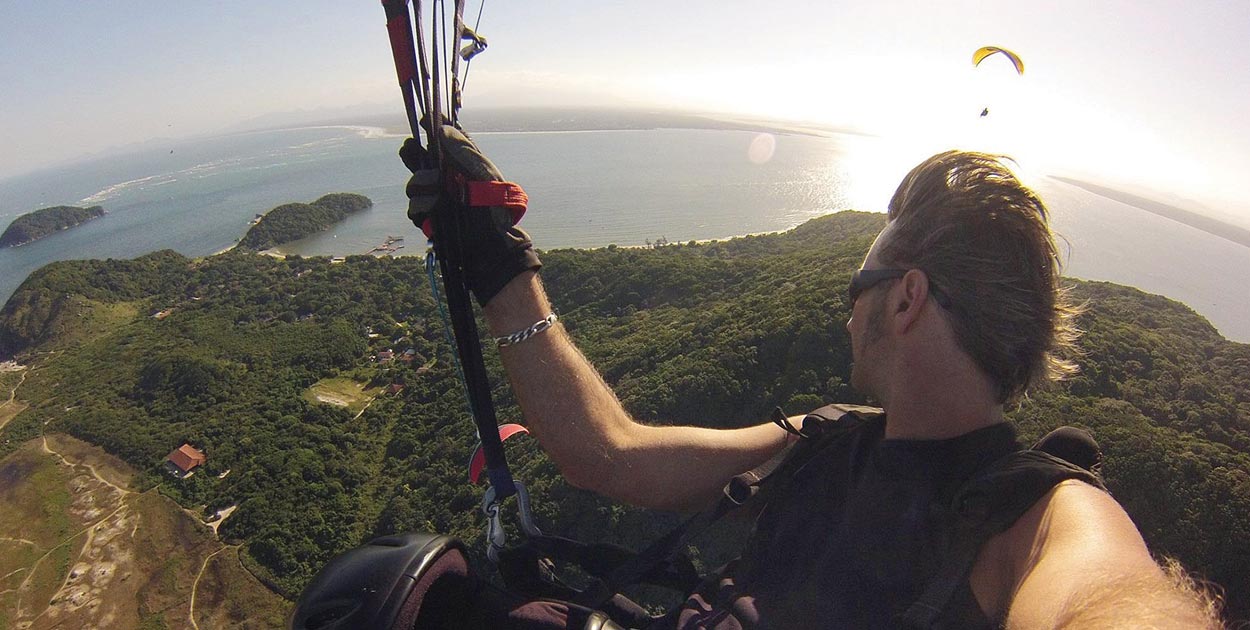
(497, 119)
(1135, 95)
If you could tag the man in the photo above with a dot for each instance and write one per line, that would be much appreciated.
(956, 312)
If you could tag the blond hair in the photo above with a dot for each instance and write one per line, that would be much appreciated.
(982, 238)
(1169, 599)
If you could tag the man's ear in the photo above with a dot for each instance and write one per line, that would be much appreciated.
(912, 292)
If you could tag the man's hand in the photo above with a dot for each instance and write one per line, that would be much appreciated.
(495, 250)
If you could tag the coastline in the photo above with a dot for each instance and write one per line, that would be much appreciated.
(584, 120)
(1207, 224)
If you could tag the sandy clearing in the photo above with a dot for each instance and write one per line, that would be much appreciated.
(10, 408)
(333, 400)
(222, 515)
(94, 473)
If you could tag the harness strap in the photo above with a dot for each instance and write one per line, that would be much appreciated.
(987, 505)
(820, 426)
(481, 194)
(399, 30)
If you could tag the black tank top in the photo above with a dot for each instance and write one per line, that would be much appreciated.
(853, 538)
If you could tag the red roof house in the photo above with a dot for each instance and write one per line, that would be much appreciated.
(183, 459)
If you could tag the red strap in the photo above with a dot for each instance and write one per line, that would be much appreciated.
(489, 194)
(400, 31)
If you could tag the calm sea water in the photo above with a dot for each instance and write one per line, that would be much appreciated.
(587, 189)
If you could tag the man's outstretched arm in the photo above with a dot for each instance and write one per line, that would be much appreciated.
(1085, 566)
(583, 427)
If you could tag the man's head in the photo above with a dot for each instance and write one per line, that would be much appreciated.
(989, 263)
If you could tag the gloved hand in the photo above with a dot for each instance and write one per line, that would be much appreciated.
(496, 251)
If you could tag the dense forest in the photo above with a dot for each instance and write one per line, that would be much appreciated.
(293, 221)
(140, 356)
(33, 226)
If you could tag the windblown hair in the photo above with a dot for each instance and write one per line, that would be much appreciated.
(981, 237)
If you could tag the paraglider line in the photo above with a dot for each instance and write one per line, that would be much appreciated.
(468, 62)
(431, 271)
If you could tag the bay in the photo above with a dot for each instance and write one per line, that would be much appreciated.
(587, 189)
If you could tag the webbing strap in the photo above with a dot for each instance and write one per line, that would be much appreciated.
(482, 194)
(987, 505)
(399, 31)
(834, 421)
(967, 543)
(449, 229)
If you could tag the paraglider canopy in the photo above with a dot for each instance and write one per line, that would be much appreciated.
(986, 51)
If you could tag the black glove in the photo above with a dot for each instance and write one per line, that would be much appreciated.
(495, 250)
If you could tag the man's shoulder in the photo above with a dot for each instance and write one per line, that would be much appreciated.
(1073, 537)
(1075, 511)
(1082, 563)
(1072, 514)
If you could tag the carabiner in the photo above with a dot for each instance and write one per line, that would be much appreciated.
(523, 511)
(496, 537)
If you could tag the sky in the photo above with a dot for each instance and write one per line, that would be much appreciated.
(1148, 95)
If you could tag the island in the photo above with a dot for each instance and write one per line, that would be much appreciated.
(33, 226)
(293, 221)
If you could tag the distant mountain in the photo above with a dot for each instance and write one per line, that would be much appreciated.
(40, 223)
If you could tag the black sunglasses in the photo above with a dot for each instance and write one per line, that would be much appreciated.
(864, 279)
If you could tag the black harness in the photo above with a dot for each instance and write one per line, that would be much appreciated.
(384, 578)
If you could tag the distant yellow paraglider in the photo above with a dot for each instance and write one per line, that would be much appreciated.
(986, 51)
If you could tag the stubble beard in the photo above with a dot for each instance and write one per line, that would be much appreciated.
(861, 374)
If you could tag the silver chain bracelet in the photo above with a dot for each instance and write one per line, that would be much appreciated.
(522, 335)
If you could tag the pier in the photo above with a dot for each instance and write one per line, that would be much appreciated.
(391, 245)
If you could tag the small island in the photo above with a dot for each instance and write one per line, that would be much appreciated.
(293, 221)
(33, 226)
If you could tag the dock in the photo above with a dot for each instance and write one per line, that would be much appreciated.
(391, 245)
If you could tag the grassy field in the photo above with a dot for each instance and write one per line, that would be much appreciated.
(82, 322)
(16, 558)
(342, 392)
(80, 548)
(34, 498)
(228, 594)
(9, 405)
(90, 321)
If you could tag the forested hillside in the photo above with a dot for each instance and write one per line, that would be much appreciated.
(230, 353)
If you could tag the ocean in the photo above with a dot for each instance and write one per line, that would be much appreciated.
(587, 189)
